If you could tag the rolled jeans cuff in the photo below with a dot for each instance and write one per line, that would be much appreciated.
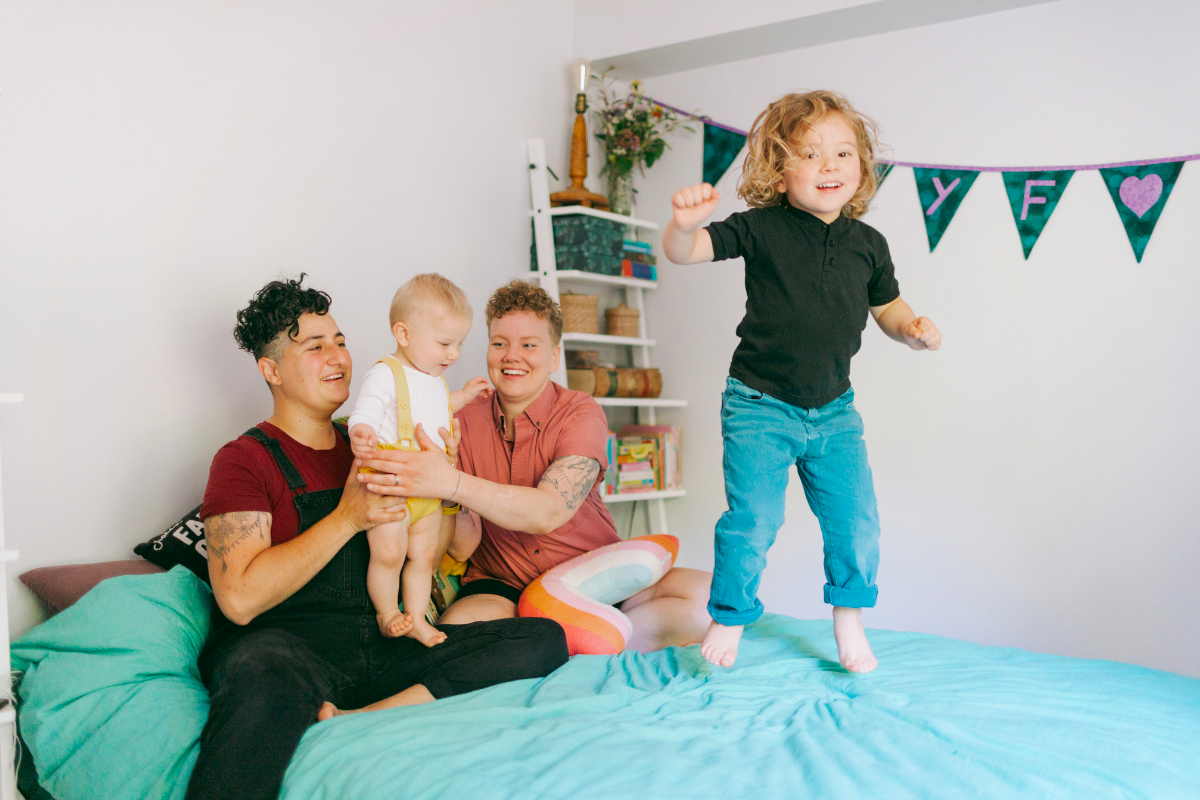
(725, 616)
(851, 598)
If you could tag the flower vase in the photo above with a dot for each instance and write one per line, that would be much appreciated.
(620, 193)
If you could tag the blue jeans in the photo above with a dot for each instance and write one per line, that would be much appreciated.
(763, 437)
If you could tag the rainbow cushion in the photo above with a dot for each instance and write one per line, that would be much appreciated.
(579, 594)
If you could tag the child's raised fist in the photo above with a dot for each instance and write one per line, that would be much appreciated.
(692, 205)
(922, 334)
(363, 440)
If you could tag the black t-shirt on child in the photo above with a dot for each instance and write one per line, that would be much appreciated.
(809, 291)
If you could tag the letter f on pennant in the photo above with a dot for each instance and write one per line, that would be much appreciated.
(1030, 199)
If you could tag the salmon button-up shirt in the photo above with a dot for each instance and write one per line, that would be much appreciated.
(560, 422)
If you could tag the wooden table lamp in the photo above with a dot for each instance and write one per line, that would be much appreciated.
(577, 194)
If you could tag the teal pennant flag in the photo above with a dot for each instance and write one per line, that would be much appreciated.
(1140, 194)
(881, 173)
(1033, 196)
(721, 147)
(941, 192)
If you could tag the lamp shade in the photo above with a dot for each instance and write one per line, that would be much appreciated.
(581, 70)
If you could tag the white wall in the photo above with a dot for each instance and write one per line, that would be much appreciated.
(1036, 477)
(159, 162)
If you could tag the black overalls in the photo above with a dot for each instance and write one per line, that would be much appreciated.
(267, 679)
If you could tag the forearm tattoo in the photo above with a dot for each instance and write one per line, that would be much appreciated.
(573, 477)
(226, 531)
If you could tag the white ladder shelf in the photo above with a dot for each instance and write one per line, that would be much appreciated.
(549, 276)
(8, 716)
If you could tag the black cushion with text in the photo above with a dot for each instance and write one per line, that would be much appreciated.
(182, 543)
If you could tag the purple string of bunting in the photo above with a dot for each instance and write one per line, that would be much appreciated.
(1139, 189)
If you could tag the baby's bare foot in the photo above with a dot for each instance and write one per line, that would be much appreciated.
(720, 643)
(854, 652)
(394, 623)
(425, 633)
(329, 711)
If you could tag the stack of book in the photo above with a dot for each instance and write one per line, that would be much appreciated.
(610, 475)
(638, 261)
(638, 464)
(666, 441)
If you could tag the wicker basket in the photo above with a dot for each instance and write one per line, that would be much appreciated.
(622, 321)
(581, 312)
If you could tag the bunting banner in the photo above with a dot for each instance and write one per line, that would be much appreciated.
(1139, 189)
(1033, 196)
(1140, 192)
(721, 146)
(941, 192)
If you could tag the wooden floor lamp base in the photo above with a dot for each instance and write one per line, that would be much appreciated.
(579, 196)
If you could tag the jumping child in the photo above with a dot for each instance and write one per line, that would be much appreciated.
(813, 271)
(430, 318)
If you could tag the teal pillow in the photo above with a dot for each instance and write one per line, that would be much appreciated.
(124, 657)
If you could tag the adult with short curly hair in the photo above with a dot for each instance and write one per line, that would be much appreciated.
(532, 459)
(294, 630)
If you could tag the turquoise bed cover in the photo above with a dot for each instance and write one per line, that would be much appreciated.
(112, 706)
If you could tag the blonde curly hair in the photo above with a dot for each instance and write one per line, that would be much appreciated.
(775, 136)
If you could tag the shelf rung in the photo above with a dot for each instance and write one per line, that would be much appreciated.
(630, 497)
(600, 338)
(595, 277)
(641, 402)
(567, 211)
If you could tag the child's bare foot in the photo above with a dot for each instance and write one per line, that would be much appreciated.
(329, 711)
(394, 623)
(854, 652)
(425, 633)
(720, 643)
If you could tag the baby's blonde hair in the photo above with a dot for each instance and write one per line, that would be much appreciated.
(426, 290)
(774, 140)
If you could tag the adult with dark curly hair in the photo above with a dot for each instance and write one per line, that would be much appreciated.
(532, 459)
(294, 630)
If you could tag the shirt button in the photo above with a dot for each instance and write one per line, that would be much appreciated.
(832, 243)
(535, 552)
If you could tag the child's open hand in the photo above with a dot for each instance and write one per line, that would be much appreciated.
(363, 440)
(922, 334)
(692, 205)
(471, 389)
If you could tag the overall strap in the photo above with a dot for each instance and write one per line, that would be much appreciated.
(343, 431)
(294, 479)
(449, 405)
(404, 420)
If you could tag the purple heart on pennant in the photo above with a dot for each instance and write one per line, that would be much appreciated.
(1141, 195)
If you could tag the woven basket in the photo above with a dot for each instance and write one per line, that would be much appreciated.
(581, 312)
(622, 321)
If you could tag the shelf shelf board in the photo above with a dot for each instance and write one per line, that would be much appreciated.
(592, 277)
(641, 402)
(600, 338)
(630, 497)
(11, 397)
(566, 211)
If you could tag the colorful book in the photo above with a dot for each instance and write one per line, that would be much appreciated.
(637, 247)
(631, 269)
(668, 442)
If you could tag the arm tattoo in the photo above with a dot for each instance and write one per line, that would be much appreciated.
(226, 531)
(573, 477)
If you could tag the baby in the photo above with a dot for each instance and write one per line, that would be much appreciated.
(430, 318)
(813, 273)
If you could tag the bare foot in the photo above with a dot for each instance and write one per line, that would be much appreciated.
(854, 652)
(425, 633)
(394, 623)
(720, 643)
(329, 711)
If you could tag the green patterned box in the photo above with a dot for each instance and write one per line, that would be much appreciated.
(585, 243)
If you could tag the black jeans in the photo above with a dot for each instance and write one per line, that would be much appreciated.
(268, 685)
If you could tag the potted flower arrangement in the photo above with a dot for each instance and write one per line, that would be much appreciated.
(631, 130)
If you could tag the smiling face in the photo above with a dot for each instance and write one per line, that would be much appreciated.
(313, 369)
(433, 340)
(521, 356)
(825, 171)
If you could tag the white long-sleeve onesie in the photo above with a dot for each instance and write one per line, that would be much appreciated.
(376, 403)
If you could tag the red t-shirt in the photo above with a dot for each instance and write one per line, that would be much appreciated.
(560, 422)
(244, 477)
